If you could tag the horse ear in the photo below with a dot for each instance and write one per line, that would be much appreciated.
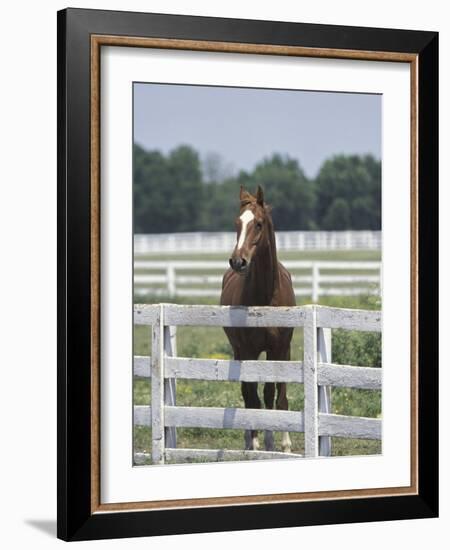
(260, 196)
(245, 197)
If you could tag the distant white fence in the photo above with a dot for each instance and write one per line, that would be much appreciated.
(310, 278)
(208, 242)
(317, 372)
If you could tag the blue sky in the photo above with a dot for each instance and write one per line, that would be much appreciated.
(244, 125)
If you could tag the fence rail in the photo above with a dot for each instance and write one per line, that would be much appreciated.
(317, 372)
(201, 242)
(310, 278)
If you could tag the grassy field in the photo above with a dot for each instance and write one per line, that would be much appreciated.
(306, 255)
(211, 342)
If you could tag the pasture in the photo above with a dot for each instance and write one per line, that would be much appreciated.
(313, 274)
(349, 348)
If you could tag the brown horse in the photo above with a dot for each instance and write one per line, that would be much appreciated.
(257, 278)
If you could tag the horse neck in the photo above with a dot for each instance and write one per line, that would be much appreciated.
(264, 276)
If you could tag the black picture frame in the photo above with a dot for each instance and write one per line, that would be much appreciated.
(76, 520)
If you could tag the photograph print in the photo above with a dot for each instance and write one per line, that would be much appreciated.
(257, 231)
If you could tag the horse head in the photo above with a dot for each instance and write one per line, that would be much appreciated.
(254, 230)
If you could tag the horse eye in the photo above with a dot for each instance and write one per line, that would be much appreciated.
(258, 225)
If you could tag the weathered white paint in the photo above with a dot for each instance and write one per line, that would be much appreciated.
(349, 426)
(142, 415)
(233, 418)
(241, 316)
(141, 458)
(246, 217)
(234, 316)
(157, 393)
(324, 404)
(223, 454)
(350, 319)
(367, 378)
(170, 384)
(146, 314)
(232, 370)
(218, 417)
(142, 366)
(310, 387)
(214, 455)
(329, 374)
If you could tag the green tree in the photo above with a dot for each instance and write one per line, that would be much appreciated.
(151, 177)
(221, 205)
(185, 195)
(171, 193)
(355, 180)
(167, 191)
(286, 189)
(338, 215)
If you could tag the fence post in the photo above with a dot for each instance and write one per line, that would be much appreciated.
(311, 406)
(170, 384)
(324, 356)
(171, 285)
(315, 282)
(158, 443)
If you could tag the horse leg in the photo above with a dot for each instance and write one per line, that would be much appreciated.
(282, 401)
(269, 397)
(251, 400)
(282, 404)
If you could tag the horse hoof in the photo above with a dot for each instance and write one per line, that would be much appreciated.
(250, 443)
(286, 443)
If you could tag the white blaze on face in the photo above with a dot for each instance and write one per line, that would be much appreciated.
(246, 218)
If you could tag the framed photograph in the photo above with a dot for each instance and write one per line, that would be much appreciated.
(247, 287)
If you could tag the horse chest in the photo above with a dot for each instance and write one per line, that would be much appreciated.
(249, 343)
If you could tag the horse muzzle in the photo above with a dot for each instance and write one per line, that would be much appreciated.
(240, 265)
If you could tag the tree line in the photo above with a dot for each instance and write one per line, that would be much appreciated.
(176, 192)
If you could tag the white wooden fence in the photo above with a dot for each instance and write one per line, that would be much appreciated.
(204, 278)
(317, 372)
(210, 242)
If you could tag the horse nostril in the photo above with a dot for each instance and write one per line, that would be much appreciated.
(238, 264)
